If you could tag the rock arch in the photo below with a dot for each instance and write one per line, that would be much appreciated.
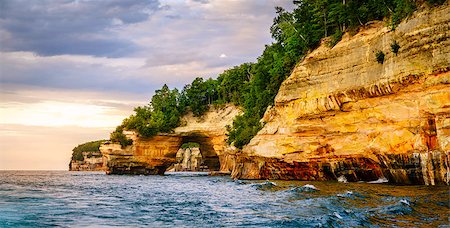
(154, 155)
(209, 154)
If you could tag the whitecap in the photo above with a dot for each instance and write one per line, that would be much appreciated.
(337, 215)
(265, 185)
(310, 186)
(346, 194)
(306, 188)
(405, 202)
(379, 181)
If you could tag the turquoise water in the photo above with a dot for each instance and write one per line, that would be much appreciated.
(78, 199)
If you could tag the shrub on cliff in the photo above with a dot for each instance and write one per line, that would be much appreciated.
(93, 146)
(379, 57)
(395, 47)
(117, 136)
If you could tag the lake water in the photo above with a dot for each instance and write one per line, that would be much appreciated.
(79, 199)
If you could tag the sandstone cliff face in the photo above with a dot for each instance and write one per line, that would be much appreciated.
(340, 113)
(92, 161)
(156, 154)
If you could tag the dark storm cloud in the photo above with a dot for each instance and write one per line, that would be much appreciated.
(71, 27)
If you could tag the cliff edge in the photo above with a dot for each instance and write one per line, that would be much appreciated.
(343, 114)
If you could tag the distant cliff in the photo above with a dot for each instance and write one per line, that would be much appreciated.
(343, 112)
(87, 157)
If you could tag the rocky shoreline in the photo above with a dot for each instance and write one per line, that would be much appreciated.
(340, 115)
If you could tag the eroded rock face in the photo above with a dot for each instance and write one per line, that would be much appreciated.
(342, 113)
(189, 159)
(154, 155)
(92, 161)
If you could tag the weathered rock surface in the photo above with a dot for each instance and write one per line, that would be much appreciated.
(189, 159)
(340, 113)
(156, 154)
(92, 161)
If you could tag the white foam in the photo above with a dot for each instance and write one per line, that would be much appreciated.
(406, 202)
(337, 215)
(347, 193)
(379, 181)
(310, 186)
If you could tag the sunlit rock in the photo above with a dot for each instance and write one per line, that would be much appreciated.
(154, 155)
(341, 113)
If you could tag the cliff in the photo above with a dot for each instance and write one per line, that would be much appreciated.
(341, 113)
(154, 155)
(87, 157)
(92, 161)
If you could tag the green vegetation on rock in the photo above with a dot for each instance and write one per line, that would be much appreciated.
(94, 146)
(253, 86)
(395, 47)
(380, 57)
(190, 145)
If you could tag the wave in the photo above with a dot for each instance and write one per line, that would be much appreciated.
(379, 181)
(265, 185)
(305, 188)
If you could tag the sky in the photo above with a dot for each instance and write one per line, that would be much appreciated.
(71, 70)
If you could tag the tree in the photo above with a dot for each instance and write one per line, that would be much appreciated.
(196, 94)
(253, 86)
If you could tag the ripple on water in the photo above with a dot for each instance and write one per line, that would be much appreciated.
(42, 199)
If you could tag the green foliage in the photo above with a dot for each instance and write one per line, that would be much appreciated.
(403, 8)
(336, 37)
(77, 156)
(190, 145)
(380, 57)
(161, 115)
(395, 47)
(94, 146)
(118, 137)
(436, 2)
(243, 129)
(199, 94)
(253, 86)
(233, 84)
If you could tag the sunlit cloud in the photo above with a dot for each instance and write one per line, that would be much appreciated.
(58, 114)
(70, 71)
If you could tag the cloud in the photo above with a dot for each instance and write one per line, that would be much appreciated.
(75, 72)
(71, 70)
(132, 46)
(70, 27)
(64, 108)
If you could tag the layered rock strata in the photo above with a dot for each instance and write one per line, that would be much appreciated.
(341, 113)
(154, 155)
(92, 161)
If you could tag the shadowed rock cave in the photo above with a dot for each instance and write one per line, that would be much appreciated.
(202, 153)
